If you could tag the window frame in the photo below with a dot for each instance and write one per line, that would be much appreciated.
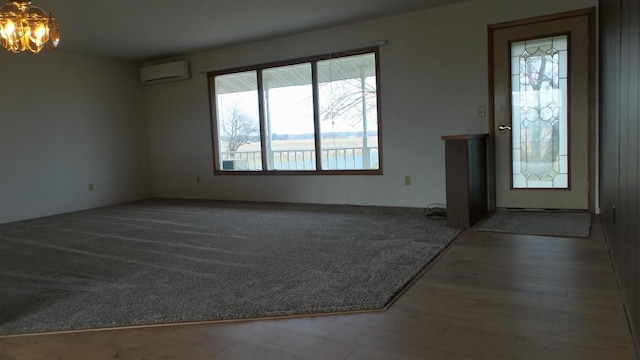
(259, 68)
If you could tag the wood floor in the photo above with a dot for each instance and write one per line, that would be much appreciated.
(491, 296)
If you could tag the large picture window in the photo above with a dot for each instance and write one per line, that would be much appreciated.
(308, 116)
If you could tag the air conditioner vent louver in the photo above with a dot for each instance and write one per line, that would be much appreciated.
(160, 73)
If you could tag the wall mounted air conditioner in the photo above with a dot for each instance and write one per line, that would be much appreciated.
(160, 73)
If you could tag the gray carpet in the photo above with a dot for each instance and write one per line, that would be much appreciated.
(168, 261)
(552, 223)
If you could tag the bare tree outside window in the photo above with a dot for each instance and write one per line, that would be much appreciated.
(238, 128)
(348, 98)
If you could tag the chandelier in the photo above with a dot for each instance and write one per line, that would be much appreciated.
(24, 27)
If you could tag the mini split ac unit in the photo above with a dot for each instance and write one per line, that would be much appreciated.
(160, 73)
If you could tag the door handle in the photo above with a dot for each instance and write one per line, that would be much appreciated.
(504, 127)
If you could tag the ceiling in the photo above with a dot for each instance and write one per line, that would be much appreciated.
(148, 29)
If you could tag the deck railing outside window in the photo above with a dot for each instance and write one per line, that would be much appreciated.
(291, 159)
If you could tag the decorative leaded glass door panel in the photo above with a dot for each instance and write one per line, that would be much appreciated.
(542, 114)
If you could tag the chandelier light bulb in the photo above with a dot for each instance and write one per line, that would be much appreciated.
(25, 27)
(8, 29)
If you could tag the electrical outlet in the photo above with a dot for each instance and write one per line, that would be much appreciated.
(407, 180)
(90, 187)
(482, 111)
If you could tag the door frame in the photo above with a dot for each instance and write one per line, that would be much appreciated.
(591, 14)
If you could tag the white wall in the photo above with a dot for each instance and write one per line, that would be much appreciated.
(433, 79)
(67, 120)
